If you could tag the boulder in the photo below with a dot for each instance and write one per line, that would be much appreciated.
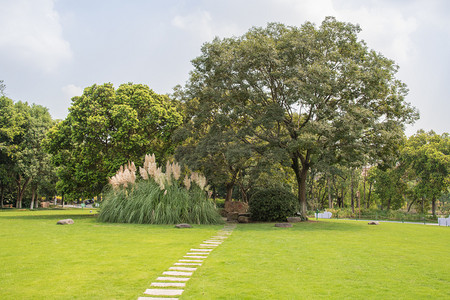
(243, 219)
(236, 206)
(283, 225)
(374, 223)
(232, 216)
(183, 225)
(65, 222)
(294, 219)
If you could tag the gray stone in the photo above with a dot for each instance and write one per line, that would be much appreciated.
(201, 250)
(65, 222)
(168, 284)
(173, 278)
(163, 292)
(183, 225)
(177, 273)
(374, 223)
(294, 219)
(243, 219)
(283, 225)
(182, 269)
(156, 298)
(195, 256)
(187, 264)
(232, 216)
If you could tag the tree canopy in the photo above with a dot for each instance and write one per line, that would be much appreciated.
(307, 94)
(104, 129)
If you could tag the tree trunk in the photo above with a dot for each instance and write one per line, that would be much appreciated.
(330, 201)
(229, 195)
(389, 203)
(21, 190)
(300, 175)
(33, 196)
(364, 190)
(433, 207)
(368, 197)
(410, 204)
(352, 195)
(2, 194)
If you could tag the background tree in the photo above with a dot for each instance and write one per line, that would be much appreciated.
(427, 155)
(303, 93)
(104, 129)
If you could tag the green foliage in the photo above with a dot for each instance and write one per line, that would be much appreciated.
(105, 128)
(273, 204)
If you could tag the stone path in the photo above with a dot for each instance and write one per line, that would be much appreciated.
(174, 280)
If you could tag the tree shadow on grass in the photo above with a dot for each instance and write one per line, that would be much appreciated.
(53, 216)
(304, 226)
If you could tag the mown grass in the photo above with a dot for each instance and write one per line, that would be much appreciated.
(86, 260)
(330, 259)
(327, 260)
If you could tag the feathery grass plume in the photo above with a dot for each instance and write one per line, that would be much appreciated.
(201, 181)
(194, 177)
(176, 169)
(168, 173)
(143, 173)
(154, 201)
(187, 182)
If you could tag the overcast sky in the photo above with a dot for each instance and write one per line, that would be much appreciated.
(51, 50)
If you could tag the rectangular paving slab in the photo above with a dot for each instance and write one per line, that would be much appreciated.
(187, 264)
(173, 278)
(208, 245)
(168, 284)
(163, 292)
(195, 256)
(202, 250)
(177, 273)
(197, 253)
(182, 269)
(191, 260)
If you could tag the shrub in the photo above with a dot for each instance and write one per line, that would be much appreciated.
(272, 204)
(157, 198)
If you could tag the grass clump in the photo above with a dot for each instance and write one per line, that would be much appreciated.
(159, 197)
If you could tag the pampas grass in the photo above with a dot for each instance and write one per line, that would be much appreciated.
(158, 197)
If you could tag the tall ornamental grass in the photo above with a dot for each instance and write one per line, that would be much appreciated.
(158, 197)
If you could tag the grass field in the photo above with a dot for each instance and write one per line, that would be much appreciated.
(329, 259)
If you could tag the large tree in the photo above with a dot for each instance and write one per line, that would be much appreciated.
(104, 129)
(303, 93)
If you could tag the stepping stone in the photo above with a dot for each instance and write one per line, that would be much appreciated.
(156, 298)
(183, 225)
(195, 256)
(208, 245)
(173, 278)
(283, 225)
(168, 284)
(163, 292)
(212, 242)
(187, 264)
(191, 260)
(177, 273)
(197, 253)
(201, 250)
(182, 269)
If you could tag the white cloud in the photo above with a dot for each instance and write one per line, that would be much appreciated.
(201, 25)
(31, 34)
(72, 90)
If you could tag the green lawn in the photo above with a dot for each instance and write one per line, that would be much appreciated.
(86, 260)
(327, 259)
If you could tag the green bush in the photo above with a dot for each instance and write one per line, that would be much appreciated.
(272, 204)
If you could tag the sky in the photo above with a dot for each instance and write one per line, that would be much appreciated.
(50, 50)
